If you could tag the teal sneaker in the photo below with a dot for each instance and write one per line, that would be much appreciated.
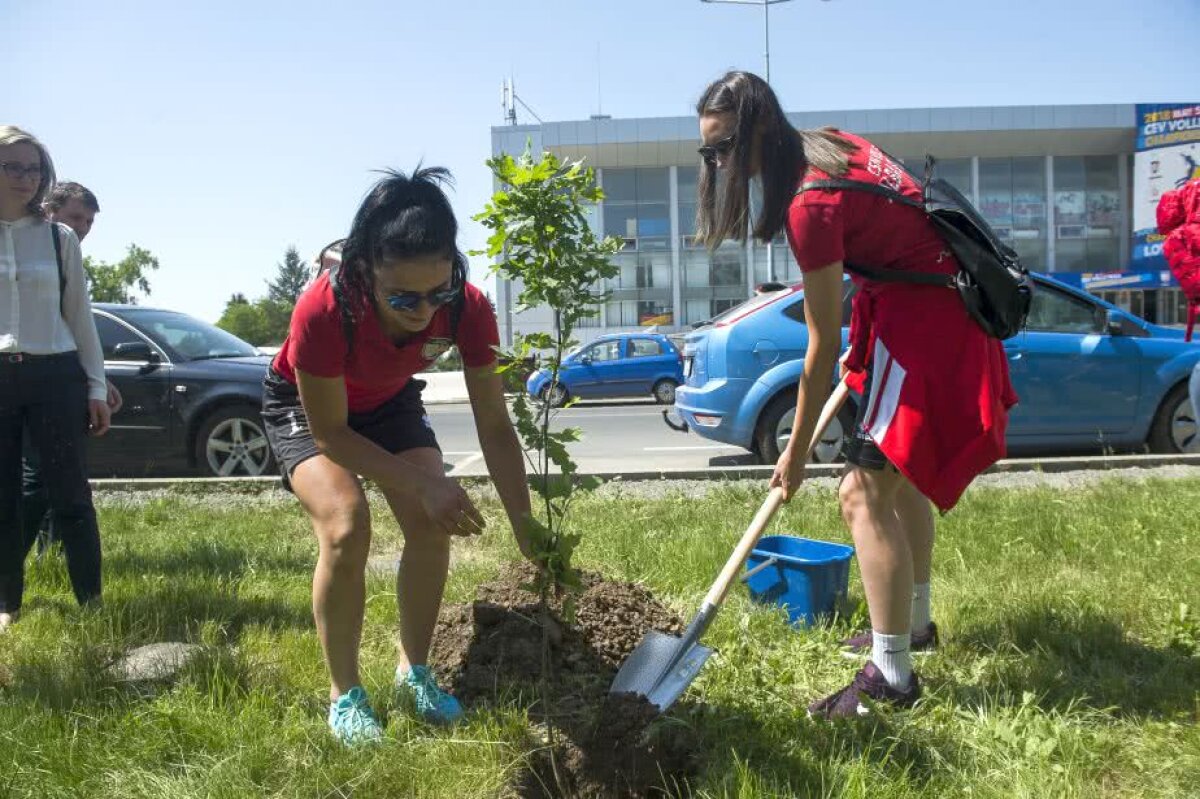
(433, 704)
(352, 720)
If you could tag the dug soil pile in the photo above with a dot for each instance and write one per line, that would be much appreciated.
(491, 653)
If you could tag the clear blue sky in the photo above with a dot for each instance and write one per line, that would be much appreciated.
(217, 133)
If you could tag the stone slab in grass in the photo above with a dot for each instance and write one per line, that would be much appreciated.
(160, 662)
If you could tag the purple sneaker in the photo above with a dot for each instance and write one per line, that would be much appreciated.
(923, 643)
(867, 687)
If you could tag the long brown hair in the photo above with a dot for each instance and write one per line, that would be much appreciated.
(784, 154)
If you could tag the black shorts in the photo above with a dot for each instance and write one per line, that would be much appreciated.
(397, 425)
(860, 449)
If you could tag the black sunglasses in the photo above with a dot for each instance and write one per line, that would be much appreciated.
(709, 152)
(407, 301)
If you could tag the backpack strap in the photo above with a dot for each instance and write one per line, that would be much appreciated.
(858, 185)
(881, 275)
(62, 274)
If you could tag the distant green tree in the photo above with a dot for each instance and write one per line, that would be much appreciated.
(290, 279)
(115, 282)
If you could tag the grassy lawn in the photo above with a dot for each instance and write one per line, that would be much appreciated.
(1068, 668)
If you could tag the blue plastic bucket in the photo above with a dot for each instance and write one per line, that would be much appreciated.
(805, 577)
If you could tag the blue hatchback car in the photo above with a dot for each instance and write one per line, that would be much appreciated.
(616, 365)
(1090, 376)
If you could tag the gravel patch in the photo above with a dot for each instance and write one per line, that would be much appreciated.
(224, 499)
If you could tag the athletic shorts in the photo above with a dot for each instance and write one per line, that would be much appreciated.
(397, 425)
(860, 449)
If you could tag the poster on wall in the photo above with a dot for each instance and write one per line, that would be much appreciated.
(1167, 156)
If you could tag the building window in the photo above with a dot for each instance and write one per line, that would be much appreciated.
(1012, 198)
(725, 266)
(637, 206)
(786, 268)
(1087, 214)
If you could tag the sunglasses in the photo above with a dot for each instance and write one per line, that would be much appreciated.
(709, 152)
(408, 301)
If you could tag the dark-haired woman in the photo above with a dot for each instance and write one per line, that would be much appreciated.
(341, 402)
(934, 387)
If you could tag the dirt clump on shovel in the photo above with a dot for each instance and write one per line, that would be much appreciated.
(491, 652)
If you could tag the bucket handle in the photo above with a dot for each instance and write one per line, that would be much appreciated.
(766, 564)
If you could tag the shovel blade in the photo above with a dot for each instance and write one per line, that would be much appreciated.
(660, 669)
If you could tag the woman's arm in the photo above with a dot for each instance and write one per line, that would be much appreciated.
(77, 313)
(500, 445)
(324, 400)
(823, 314)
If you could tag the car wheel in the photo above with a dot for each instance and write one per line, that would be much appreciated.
(233, 443)
(664, 392)
(775, 430)
(559, 397)
(1175, 427)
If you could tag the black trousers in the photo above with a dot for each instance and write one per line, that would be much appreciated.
(46, 397)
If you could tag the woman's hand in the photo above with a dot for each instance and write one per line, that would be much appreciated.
(114, 399)
(447, 505)
(789, 473)
(99, 417)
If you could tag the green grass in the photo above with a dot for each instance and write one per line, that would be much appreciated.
(1070, 666)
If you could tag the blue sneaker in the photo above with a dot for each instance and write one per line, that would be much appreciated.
(352, 720)
(433, 704)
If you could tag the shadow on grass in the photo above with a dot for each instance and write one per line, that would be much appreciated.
(1081, 659)
(173, 612)
(203, 558)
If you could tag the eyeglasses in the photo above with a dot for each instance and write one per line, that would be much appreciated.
(709, 152)
(407, 301)
(17, 171)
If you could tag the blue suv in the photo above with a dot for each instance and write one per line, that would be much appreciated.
(1090, 377)
(616, 365)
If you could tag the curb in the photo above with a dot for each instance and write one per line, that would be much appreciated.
(252, 485)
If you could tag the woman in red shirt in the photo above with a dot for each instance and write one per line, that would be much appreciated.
(341, 401)
(934, 387)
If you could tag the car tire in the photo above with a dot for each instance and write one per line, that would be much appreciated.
(561, 395)
(783, 407)
(1175, 428)
(664, 391)
(232, 442)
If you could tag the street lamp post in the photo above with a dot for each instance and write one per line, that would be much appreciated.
(766, 7)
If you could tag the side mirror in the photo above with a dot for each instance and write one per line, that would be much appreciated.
(133, 351)
(1112, 323)
(586, 360)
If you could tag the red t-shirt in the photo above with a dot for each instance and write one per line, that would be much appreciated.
(377, 369)
(863, 228)
(940, 393)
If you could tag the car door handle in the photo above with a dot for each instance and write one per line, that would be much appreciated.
(1014, 354)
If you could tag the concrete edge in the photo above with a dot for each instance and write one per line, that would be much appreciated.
(1047, 465)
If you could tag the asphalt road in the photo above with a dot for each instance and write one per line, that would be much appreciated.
(618, 436)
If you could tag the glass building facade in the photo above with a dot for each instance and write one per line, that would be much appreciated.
(1054, 182)
(1060, 213)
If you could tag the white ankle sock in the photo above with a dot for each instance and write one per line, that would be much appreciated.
(891, 655)
(921, 613)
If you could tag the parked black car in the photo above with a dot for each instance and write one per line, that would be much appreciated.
(193, 395)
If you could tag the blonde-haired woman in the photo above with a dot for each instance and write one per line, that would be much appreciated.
(52, 384)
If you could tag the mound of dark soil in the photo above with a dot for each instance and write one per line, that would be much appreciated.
(605, 746)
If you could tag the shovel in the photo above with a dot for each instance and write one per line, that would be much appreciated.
(663, 666)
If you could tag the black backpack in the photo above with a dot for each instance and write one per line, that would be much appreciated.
(995, 288)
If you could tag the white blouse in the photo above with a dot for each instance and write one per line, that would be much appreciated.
(30, 319)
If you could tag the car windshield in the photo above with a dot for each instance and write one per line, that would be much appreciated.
(188, 337)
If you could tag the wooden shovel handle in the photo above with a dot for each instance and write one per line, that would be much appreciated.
(774, 499)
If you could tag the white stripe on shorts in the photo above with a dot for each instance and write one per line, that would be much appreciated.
(887, 380)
